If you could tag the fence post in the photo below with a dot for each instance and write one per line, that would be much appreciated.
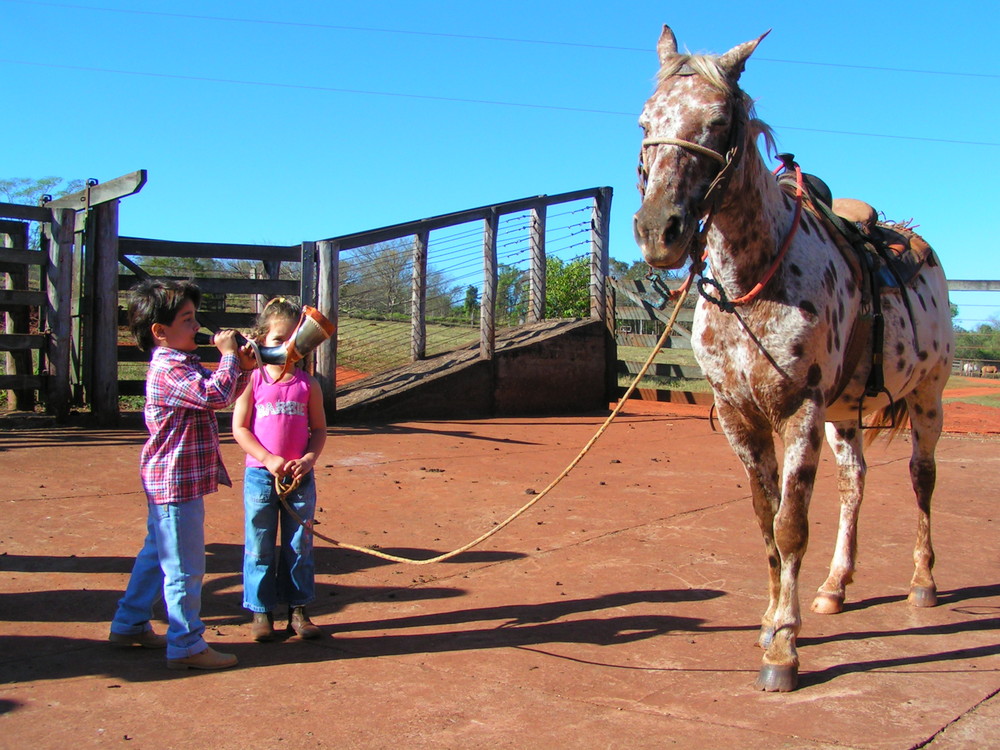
(327, 302)
(103, 394)
(418, 298)
(487, 308)
(599, 231)
(59, 285)
(307, 277)
(14, 235)
(536, 274)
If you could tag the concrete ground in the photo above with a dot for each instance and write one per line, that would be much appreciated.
(619, 612)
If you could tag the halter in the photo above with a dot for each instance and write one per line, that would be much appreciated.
(711, 202)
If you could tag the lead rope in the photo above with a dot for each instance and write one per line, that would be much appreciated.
(284, 489)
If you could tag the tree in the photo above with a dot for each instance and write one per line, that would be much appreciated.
(567, 288)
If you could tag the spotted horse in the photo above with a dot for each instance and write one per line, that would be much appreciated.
(776, 330)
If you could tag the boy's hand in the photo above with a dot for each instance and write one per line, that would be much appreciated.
(225, 342)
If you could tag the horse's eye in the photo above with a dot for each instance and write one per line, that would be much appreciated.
(719, 122)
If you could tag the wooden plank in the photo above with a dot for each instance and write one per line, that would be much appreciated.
(11, 298)
(307, 275)
(631, 312)
(20, 342)
(58, 241)
(22, 382)
(327, 302)
(676, 397)
(267, 287)
(968, 285)
(171, 249)
(600, 228)
(102, 362)
(131, 387)
(237, 320)
(482, 213)
(24, 213)
(103, 192)
(536, 274)
(22, 257)
(418, 298)
(662, 370)
(487, 308)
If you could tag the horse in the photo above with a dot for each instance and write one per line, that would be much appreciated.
(775, 326)
(969, 369)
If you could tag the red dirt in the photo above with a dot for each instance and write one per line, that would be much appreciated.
(620, 611)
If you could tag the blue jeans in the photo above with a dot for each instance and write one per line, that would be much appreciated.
(271, 577)
(171, 566)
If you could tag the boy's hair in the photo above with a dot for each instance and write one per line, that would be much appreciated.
(157, 301)
(277, 308)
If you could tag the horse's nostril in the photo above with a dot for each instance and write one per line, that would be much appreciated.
(671, 230)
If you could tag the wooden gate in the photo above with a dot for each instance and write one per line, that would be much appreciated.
(61, 318)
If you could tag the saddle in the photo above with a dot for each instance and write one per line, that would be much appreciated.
(886, 257)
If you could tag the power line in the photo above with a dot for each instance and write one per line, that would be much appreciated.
(452, 99)
(473, 37)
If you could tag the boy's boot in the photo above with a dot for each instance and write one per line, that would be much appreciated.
(298, 621)
(262, 626)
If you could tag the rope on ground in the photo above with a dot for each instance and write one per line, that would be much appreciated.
(286, 488)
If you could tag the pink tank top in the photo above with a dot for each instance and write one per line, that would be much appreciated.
(279, 416)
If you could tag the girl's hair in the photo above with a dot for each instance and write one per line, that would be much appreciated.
(278, 308)
(157, 301)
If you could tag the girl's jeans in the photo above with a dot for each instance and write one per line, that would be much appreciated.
(271, 577)
(171, 565)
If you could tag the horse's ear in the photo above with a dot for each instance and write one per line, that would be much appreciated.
(667, 46)
(733, 61)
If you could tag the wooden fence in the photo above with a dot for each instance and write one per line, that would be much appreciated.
(78, 311)
(641, 311)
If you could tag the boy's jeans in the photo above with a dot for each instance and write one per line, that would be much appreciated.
(269, 577)
(171, 565)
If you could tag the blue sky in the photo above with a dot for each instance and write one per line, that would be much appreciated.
(275, 123)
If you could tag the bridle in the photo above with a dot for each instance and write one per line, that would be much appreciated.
(710, 204)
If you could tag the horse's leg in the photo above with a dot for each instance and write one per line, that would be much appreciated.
(845, 440)
(802, 435)
(926, 421)
(753, 444)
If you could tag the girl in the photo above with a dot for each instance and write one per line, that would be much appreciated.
(282, 427)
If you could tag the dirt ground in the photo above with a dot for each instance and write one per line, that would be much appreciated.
(620, 612)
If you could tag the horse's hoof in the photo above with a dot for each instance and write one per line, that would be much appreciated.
(777, 678)
(828, 604)
(923, 596)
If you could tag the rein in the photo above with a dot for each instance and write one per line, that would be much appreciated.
(285, 488)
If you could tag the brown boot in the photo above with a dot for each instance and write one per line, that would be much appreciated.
(298, 621)
(207, 659)
(262, 626)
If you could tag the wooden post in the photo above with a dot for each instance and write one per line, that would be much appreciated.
(418, 298)
(59, 284)
(272, 270)
(599, 232)
(14, 236)
(103, 395)
(537, 274)
(307, 277)
(487, 308)
(327, 302)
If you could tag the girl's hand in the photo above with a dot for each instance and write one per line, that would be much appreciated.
(246, 357)
(300, 467)
(277, 465)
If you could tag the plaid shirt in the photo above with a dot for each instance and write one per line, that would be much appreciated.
(181, 460)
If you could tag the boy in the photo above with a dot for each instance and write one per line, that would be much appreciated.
(179, 465)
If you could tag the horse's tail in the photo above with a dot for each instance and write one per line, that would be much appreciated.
(890, 420)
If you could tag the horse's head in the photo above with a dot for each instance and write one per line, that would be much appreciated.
(691, 123)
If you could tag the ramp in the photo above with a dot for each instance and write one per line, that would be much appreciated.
(552, 367)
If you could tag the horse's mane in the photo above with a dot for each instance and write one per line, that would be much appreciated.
(707, 66)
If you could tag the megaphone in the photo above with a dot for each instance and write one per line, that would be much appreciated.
(312, 330)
